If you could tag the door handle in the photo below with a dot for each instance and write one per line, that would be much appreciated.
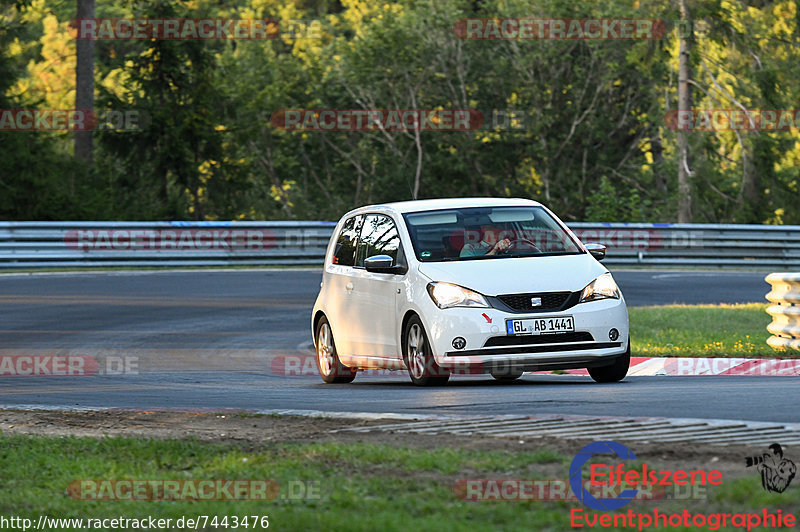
(349, 287)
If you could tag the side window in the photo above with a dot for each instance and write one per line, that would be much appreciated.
(345, 251)
(379, 237)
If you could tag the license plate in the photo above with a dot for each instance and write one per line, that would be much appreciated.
(543, 325)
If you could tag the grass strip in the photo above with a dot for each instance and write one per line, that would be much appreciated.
(356, 486)
(702, 331)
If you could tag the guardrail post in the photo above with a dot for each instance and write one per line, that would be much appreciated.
(785, 311)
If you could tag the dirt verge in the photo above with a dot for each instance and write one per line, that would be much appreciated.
(254, 431)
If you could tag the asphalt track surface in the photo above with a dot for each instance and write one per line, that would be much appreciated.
(209, 339)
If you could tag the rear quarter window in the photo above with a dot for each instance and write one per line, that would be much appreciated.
(344, 252)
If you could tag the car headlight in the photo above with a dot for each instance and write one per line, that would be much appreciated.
(447, 295)
(603, 287)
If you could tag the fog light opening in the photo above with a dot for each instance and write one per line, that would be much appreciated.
(613, 334)
(459, 343)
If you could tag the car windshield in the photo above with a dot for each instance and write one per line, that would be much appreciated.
(487, 233)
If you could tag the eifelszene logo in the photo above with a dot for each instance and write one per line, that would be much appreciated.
(615, 477)
(776, 471)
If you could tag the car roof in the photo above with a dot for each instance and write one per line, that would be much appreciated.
(449, 203)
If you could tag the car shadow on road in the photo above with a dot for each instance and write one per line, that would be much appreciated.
(538, 380)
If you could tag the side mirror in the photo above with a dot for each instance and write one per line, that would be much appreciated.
(383, 264)
(597, 251)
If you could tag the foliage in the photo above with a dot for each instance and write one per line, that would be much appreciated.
(591, 141)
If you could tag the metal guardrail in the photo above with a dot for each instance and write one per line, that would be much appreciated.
(112, 244)
(92, 244)
(785, 311)
(708, 245)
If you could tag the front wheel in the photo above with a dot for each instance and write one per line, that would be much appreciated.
(417, 354)
(330, 368)
(614, 372)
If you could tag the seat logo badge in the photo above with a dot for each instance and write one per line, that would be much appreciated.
(536, 301)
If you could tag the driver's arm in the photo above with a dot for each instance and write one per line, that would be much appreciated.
(500, 245)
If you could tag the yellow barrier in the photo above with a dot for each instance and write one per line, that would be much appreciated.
(785, 311)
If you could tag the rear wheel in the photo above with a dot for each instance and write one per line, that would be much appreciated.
(417, 354)
(330, 368)
(614, 372)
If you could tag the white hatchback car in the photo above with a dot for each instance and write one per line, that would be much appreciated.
(468, 285)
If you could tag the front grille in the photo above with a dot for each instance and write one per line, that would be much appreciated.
(521, 302)
(529, 339)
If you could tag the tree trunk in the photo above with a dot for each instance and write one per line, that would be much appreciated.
(84, 83)
(657, 151)
(750, 191)
(684, 104)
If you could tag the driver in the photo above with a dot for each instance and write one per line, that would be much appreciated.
(472, 249)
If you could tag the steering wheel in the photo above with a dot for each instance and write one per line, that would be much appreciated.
(514, 243)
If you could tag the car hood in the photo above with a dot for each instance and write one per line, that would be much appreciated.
(517, 275)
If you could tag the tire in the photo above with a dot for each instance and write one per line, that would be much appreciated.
(506, 376)
(330, 368)
(417, 354)
(614, 372)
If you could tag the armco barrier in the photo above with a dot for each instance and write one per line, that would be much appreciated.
(91, 244)
(785, 311)
(707, 245)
